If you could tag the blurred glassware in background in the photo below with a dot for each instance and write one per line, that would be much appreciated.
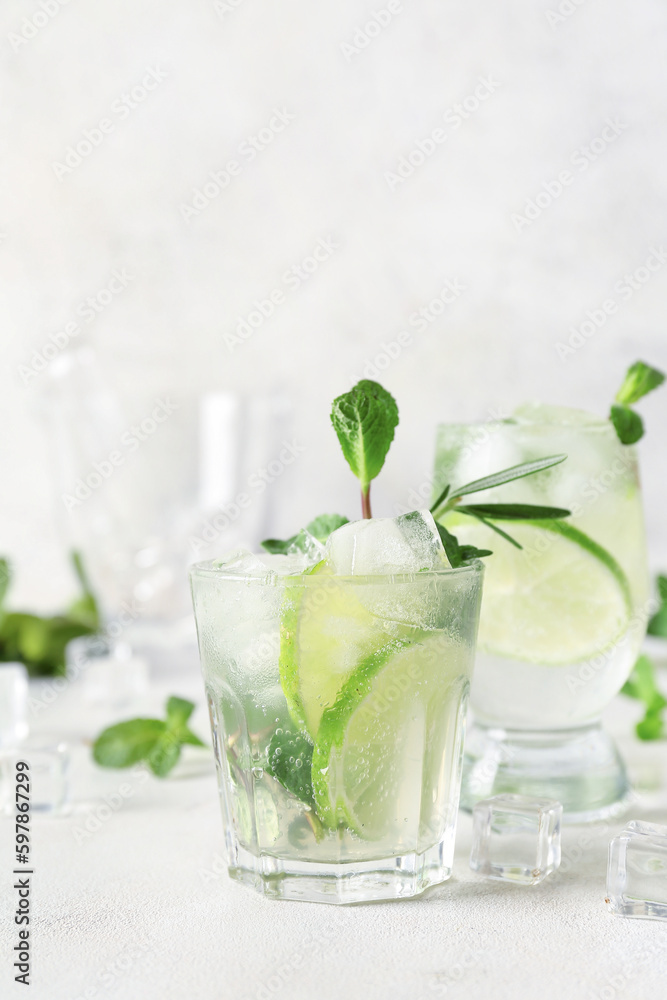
(110, 676)
(13, 703)
(146, 486)
(48, 759)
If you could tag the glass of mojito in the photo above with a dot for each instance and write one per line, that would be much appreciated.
(337, 675)
(562, 617)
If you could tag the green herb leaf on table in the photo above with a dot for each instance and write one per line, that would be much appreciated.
(126, 743)
(179, 711)
(154, 741)
(164, 754)
(639, 380)
(364, 420)
(642, 685)
(39, 641)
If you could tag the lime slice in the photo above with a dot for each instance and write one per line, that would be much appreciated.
(371, 761)
(561, 600)
(325, 633)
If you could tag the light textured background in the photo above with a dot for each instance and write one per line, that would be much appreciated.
(227, 67)
(131, 900)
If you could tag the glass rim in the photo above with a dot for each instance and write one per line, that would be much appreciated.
(206, 570)
(603, 427)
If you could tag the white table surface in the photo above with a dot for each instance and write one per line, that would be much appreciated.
(130, 899)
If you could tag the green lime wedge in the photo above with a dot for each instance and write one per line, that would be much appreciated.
(325, 634)
(372, 768)
(562, 599)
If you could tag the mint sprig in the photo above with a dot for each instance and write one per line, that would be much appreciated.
(39, 641)
(639, 380)
(456, 553)
(642, 685)
(158, 742)
(364, 420)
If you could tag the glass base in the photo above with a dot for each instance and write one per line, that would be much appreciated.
(358, 882)
(580, 768)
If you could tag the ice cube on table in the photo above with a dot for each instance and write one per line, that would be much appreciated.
(48, 762)
(385, 545)
(13, 703)
(516, 838)
(637, 871)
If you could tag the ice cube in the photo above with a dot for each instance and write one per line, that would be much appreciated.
(263, 565)
(307, 545)
(385, 545)
(516, 838)
(13, 703)
(637, 871)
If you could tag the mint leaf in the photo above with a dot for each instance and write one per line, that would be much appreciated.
(658, 623)
(643, 681)
(364, 420)
(289, 761)
(629, 425)
(127, 742)
(651, 727)
(152, 740)
(639, 380)
(39, 641)
(456, 553)
(642, 685)
(179, 711)
(320, 528)
(508, 475)
(515, 511)
(187, 736)
(278, 546)
(164, 754)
